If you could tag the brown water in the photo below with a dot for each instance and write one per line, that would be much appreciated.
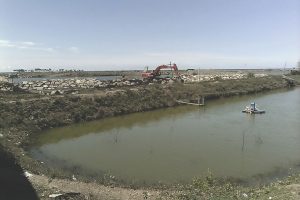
(177, 144)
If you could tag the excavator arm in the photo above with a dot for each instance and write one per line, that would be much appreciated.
(172, 67)
(156, 73)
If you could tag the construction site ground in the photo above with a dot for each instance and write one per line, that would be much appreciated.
(25, 115)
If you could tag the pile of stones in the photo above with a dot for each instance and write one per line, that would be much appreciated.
(54, 86)
(221, 76)
(6, 87)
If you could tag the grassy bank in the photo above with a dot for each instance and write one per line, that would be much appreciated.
(296, 78)
(211, 188)
(24, 116)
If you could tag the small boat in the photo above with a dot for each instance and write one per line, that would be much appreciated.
(252, 109)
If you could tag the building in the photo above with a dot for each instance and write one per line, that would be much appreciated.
(42, 70)
(19, 70)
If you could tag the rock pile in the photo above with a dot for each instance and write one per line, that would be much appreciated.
(56, 86)
(3, 79)
(6, 87)
(221, 76)
(60, 86)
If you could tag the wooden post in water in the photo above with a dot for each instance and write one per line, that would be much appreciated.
(202, 101)
(243, 146)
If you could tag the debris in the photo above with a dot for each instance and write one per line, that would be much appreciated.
(27, 174)
(54, 195)
(75, 92)
(68, 195)
(112, 177)
(1, 135)
(146, 195)
(74, 178)
(170, 81)
(270, 198)
(245, 195)
(56, 92)
(3, 79)
(61, 86)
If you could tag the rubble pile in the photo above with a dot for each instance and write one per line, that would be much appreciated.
(6, 87)
(56, 86)
(61, 86)
(3, 79)
(221, 76)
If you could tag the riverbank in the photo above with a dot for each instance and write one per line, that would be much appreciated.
(24, 116)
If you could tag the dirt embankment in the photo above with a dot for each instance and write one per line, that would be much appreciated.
(24, 116)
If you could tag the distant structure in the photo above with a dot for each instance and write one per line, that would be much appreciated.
(32, 70)
(38, 69)
(42, 70)
(19, 70)
(298, 65)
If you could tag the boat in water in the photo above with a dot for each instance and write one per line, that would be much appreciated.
(252, 109)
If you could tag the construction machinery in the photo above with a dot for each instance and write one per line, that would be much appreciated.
(160, 73)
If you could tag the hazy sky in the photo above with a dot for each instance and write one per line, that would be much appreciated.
(130, 34)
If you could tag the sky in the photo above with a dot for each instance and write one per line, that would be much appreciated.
(132, 34)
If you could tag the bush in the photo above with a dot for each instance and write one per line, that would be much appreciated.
(250, 75)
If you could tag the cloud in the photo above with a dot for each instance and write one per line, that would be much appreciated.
(28, 43)
(48, 49)
(6, 43)
(25, 45)
(73, 49)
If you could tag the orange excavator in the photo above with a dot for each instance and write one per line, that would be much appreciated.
(157, 73)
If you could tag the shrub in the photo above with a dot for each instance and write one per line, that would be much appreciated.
(250, 75)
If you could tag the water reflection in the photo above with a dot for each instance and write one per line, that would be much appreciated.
(114, 123)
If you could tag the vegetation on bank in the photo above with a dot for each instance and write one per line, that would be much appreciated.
(22, 120)
(212, 188)
(296, 78)
(42, 113)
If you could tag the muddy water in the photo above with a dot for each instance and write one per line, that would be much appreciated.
(177, 144)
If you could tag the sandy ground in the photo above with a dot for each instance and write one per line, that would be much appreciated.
(295, 190)
(90, 191)
(87, 190)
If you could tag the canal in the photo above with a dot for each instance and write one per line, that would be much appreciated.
(176, 144)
